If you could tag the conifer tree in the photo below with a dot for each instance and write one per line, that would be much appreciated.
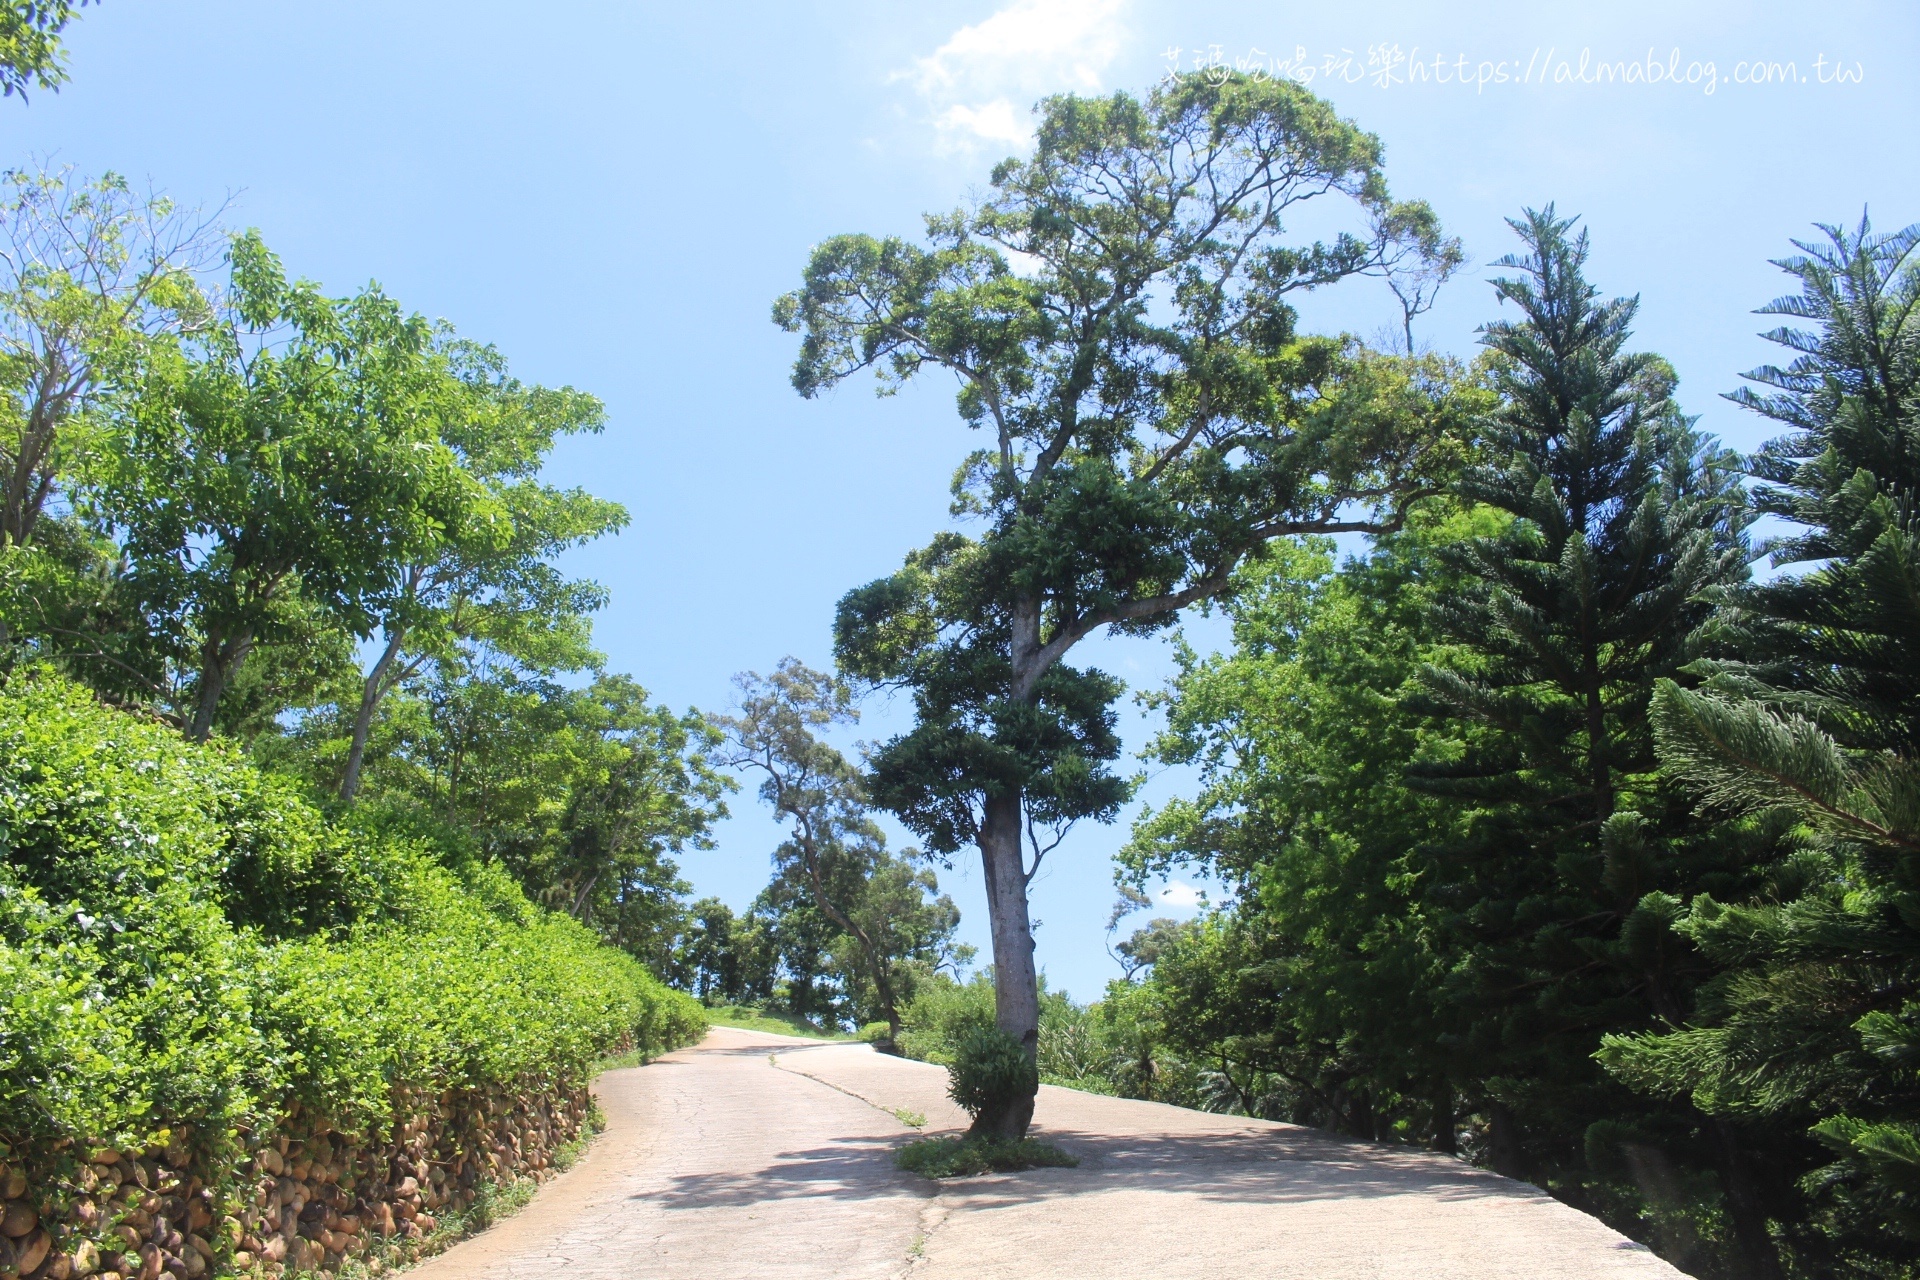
(1816, 1024)
(1557, 901)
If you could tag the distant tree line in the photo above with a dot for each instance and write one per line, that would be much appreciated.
(847, 931)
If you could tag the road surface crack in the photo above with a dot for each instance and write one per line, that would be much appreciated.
(898, 1113)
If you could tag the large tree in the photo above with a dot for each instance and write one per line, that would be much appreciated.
(1317, 991)
(644, 790)
(582, 788)
(286, 458)
(492, 576)
(1116, 310)
(1812, 717)
(1557, 897)
(1432, 782)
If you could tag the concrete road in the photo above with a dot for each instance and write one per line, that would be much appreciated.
(753, 1155)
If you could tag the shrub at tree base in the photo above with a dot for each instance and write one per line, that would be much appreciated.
(989, 1072)
(966, 1157)
(234, 1036)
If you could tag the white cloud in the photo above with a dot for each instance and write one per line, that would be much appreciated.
(1182, 897)
(996, 121)
(980, 83)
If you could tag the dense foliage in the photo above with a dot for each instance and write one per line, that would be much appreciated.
(187, 943)
(989, 1068)
(315, 527)
(1811, 714)
(1555, 841)
(317, 807)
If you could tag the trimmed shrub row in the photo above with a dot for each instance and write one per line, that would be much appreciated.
(226, 1021)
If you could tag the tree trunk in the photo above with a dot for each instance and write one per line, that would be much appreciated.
(1504, 1151)
(371, 691)
(877, 964)
(1359, 1115)
(31, 483)
(1746, 1208)
(579, 910)
(1444, 1138)
(220, 657)
(1016, 987)
(883, 986)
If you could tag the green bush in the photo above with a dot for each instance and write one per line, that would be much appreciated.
(1088, 1047)
(941, 1011)
(186, 946)
(989, 1070)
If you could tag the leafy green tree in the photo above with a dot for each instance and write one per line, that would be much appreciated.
(1417, 262)
(65, 602)
(309, 655)
(491, 577)
(1316, 997)
(886, 910)
(793, 941)
(30, 49)
(1141, 949)
(710, 955)
(1559, 895)
(478, 748)
(587, 795)
(900, 913)
(1811, 716)
(90, 274)
(648, 793)
(1116, 312)
(254, 476)
(1450, 877)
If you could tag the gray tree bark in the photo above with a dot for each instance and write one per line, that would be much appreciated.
(1016, 987)
(371, 691)
(220, 657)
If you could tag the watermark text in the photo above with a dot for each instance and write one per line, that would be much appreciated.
(1389, 65)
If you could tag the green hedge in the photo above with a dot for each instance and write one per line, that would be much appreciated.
(188, 947)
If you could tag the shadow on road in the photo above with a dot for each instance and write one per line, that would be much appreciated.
(1251, 1168)
(847, 1169)
(766, 1047)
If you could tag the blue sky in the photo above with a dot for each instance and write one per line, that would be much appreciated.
(614, 194)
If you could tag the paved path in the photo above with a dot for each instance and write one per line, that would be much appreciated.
(763, 1156)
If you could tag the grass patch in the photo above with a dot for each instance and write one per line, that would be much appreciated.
(911, 1119)
(965, 1157)
(631, 1058)
(748, 1018)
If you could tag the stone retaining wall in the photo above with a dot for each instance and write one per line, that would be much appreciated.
(304, 1200)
